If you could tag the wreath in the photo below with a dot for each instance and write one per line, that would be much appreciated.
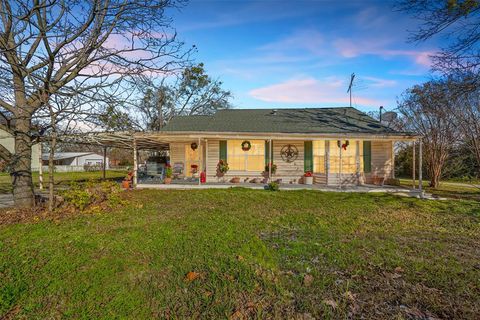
(246, 145)
(344, 145)
(194, 146)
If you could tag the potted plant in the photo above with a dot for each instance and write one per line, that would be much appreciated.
(308, 177)
(128, 180)
(168, 175)
(273, 168)
(222, 168)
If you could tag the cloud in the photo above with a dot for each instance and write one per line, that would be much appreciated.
(310, 90)
(379, 47)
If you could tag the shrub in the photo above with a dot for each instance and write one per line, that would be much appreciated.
(93, 194)
(273, 186)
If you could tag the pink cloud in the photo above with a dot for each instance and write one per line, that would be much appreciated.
(350, 49)
(309, 90)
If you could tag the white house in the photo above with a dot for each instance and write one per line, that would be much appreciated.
(75, 161)
(7, 140)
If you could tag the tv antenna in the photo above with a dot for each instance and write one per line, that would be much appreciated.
(352, 77)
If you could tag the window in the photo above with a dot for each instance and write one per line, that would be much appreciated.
(349, 159)
(251, 160)
(319, 156)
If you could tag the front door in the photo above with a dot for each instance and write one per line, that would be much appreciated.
(192, 159)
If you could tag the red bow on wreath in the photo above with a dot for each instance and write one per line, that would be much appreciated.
(344, 145)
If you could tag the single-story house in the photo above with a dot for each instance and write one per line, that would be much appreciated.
(75, 161)
(338, 145)
(7, 140)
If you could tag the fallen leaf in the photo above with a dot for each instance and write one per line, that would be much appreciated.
(240, 258)
(307, 280)
(237, 315)
(350, 295)
(331, 303)
(398, 270)
(192, 275)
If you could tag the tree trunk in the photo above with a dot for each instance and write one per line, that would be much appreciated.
(21, 174)
(51, 171)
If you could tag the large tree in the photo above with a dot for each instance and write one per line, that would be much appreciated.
(458, 22)
(193, 93)
(72, 47)
(427, 109)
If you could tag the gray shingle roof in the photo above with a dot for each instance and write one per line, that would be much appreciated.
(310, 120)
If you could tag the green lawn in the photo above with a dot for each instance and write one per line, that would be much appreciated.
(62, 178)
(287, 254)
(449, 189)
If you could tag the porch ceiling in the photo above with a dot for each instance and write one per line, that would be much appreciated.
(161, 140)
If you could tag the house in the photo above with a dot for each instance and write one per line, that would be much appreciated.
(75, 161)
(338, 145)
(7, 140)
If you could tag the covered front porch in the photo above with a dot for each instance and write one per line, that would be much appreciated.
(336, 161)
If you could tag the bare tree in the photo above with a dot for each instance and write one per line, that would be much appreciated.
(426, 109)
(467, 116)
(70, 47)
(458, 21)
(193, 93)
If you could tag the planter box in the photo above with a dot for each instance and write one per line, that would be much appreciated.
(308, 180)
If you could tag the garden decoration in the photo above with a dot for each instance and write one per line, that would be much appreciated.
(194, 146)
(246, 145)
(289, 153)
(344, 145)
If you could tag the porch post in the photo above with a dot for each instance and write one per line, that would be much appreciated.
(270, 160)
(135, 165)
(357, 160)
(327, 159)
(393, 160)
(200, 154)
(420, 177)
(206, 159)
(104, 173)
(340, 166)
(40, 169)
(413, 164)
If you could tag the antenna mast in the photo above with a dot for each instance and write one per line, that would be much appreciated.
(352, 77)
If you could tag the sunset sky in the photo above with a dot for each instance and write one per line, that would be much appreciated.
(278, 54)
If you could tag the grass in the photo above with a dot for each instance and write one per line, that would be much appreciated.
(448, 189)
(62, 178)
(287, 254)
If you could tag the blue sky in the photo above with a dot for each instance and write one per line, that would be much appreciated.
(274, 53)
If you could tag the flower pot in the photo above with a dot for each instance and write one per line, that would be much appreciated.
(167, 180)
(308, 180)
(126, 184)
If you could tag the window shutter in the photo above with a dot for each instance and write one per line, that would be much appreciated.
(308, 156)
(267, 152)
(223, 150)
(367, 156)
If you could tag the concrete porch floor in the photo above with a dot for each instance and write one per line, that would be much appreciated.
(260, 186)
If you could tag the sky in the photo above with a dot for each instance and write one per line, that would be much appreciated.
(277, 54)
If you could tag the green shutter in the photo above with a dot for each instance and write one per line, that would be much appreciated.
(223, 150)
(267, 152)
(367, 156)
(308, 156)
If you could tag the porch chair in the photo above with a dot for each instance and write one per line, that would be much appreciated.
(178, 170)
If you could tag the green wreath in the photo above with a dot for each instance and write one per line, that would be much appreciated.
(246, 145)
